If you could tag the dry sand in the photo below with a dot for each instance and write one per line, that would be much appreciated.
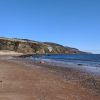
(18, 81)
(7, 52)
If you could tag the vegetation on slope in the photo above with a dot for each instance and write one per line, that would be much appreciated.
(33, 47)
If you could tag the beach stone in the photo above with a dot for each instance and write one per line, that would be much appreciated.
(80, 64)
(42, 62)
(0, 81)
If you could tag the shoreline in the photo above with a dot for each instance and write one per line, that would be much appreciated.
(93, 70)
(51, 79)
(84, 77)
(88, 67)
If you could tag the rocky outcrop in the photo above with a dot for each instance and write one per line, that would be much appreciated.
(33, 47)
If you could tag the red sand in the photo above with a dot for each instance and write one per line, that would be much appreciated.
(20, 82)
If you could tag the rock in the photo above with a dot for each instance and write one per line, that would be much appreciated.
(42, 62)
(80, 64)
(0, 81)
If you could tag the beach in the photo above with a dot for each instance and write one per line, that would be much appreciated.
(27, 80)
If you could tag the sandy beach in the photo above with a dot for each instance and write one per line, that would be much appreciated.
(24, 80)
(8, 52)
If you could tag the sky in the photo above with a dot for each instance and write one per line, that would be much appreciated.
(74, 23)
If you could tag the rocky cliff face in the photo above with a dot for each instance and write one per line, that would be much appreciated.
(33, 47)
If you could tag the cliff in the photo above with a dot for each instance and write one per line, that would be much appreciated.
(33, 47)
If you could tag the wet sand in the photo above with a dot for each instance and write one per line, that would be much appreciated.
(24, 80)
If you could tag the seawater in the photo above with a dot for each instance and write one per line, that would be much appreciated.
(90, 62)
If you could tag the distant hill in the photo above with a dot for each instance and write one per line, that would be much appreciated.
(26, 46)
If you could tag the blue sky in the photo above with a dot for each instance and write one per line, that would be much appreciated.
(74, 23)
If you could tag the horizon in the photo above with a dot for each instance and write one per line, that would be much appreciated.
(71, 23)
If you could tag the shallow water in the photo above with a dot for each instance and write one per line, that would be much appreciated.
(88, 62)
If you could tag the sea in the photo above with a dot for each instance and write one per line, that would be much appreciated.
(88, 62)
